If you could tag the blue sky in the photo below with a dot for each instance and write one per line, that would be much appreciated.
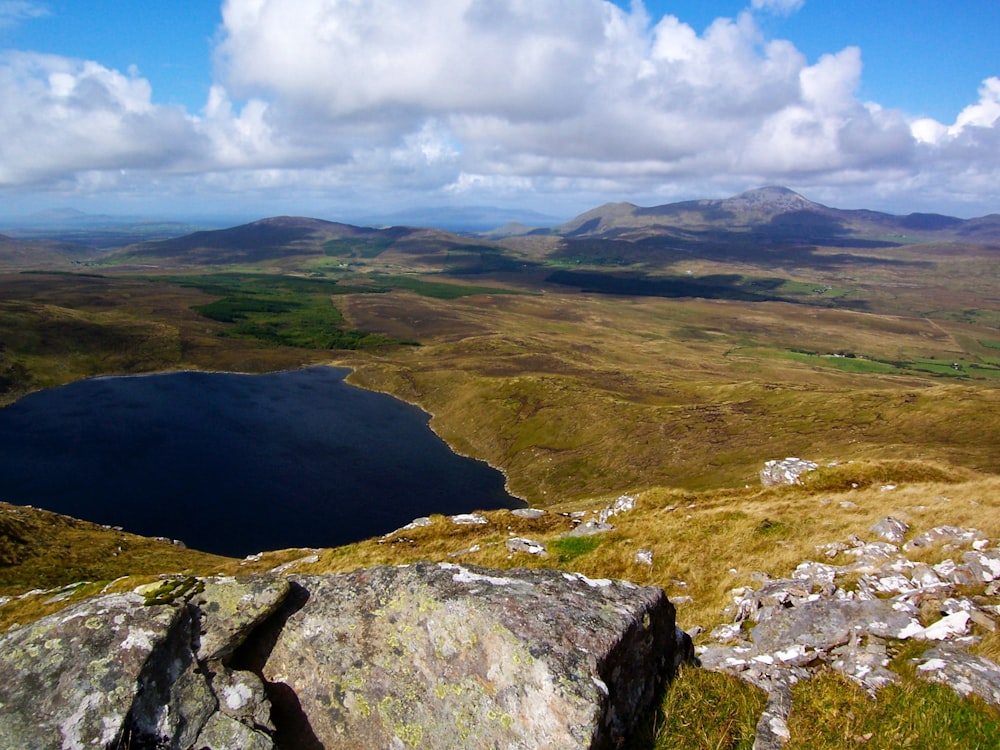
(344, 110)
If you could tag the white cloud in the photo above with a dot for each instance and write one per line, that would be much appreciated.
(574, 88)
(784, 7)
(517, 97)
(13, 12)
(61, 116)
(986, 113)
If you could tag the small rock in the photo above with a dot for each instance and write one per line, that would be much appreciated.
(527, 546)
(416, 523)
(529, 513)
(944, 534)
(590, 528)
(985, 566)
(948, 627)
(469, 519)
(644, 557)
(726, 633)
(962, 672)
(891, 529)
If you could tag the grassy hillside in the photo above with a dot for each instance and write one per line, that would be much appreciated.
(666, 367)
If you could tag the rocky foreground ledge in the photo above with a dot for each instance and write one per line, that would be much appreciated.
(422, 656)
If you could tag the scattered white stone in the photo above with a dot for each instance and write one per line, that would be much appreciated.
(948, 627)
(924, 577)
(941, 534)
(887, 488)
(463, 575)
(623, 504)
(786, 471)
(726, 633)
(644, 557)
(985, 566)
(848, 505)
(469, 519)
(308, 560)
(594, 583)
(932, 665)
(416, 523)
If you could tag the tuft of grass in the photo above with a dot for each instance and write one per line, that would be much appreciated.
(839, 477)
(568, 548)
(704, 711)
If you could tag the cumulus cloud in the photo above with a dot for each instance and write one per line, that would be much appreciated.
(571, 88)
(483, 98)
(60, 116)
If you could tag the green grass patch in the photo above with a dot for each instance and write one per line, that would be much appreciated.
(844, 362)
(282, 310)
(569, 548)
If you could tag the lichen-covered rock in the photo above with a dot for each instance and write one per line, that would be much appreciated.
(139, 670)
(432, 656)
(69, 680)
(224, 733)
(229, 608)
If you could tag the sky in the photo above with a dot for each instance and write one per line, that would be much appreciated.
(353, 109)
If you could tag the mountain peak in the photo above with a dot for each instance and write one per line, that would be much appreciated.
(772, 197)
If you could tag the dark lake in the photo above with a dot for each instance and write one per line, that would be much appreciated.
(236, 464)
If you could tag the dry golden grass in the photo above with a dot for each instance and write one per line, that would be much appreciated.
(704, 543)
(575, 395)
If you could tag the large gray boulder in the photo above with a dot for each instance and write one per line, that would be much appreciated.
(433, 656)
(421, 656)
(140, 670)
(70, 680)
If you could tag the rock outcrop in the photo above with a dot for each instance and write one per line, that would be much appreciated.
(785, 471)
(845, 618)
(429, 655)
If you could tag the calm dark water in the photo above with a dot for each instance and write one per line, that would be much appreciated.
(236, 464)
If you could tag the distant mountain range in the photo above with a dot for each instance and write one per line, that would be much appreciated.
(776, 213)
(771, 224)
